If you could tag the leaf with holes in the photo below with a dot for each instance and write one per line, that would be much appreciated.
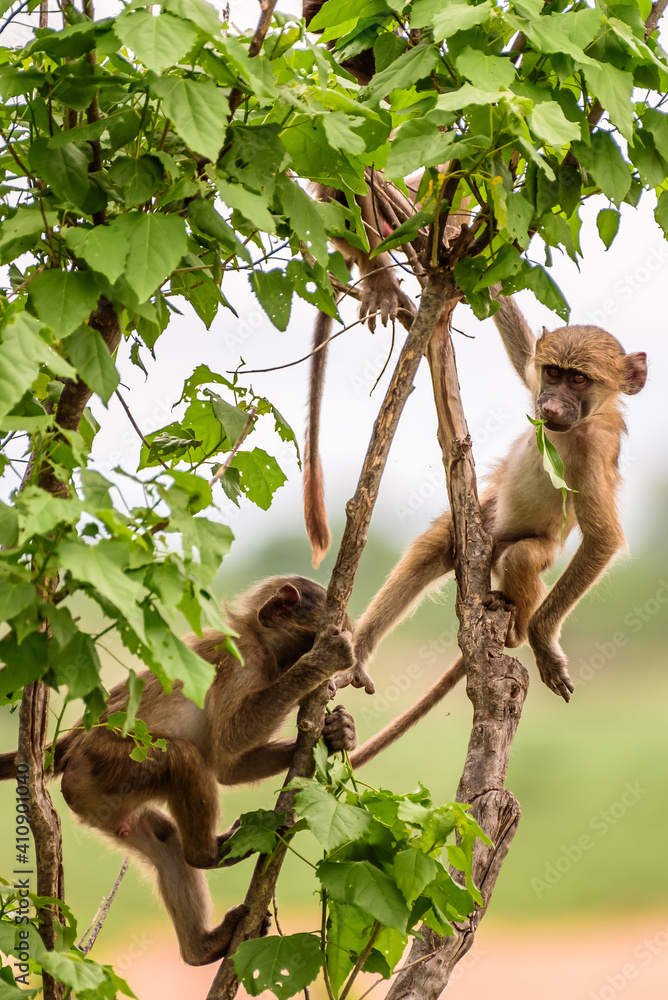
(285, 965)
(260, 476)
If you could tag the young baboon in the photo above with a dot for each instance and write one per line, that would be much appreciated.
(229, 741)
(576, 375)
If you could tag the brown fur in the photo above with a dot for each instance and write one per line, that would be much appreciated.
(523, 511)
(229, 741)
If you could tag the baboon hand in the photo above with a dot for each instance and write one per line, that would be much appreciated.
(552, 667)
(382, 298)
(333, 651)
(357, 677)
(339, 731)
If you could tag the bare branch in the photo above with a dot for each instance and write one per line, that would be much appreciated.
(256, 44)
(244, 434)
(309, 723)
(103, 909)
(496, 684)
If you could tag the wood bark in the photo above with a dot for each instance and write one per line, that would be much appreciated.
(43, 819)
(358, 511)
(496, 684)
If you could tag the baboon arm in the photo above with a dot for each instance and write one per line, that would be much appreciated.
(602, 537)
(518, 339)
(258, 715)
(261, 762)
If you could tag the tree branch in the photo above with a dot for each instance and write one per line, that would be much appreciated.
(359, 509)
(267, 6)
(496, 684)
(43, 819)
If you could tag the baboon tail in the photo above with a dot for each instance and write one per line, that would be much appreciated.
(315, 514)
(403, 722)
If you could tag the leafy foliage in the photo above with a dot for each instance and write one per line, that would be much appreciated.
(145, 157)
(381, 875)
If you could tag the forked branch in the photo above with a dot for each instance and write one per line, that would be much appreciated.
(496, 683)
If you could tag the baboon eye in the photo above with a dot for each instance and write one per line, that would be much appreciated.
(552, 372)
(579, 379)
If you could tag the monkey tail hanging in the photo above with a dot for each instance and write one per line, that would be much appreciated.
(315, 513)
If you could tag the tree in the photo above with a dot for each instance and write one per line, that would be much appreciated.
(143, 157)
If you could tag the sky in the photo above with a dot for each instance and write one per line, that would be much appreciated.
(622, 289)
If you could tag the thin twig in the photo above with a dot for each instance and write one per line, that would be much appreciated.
(103, 910)
(254, 48)
(291, 364)
(403, 968)
(226, 464)
(138, 429)
(364, 954)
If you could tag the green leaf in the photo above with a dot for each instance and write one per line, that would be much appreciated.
(656, 122)
(176, 659)
(138, 177)
(552, 464)
(253, 206)
(306, 221)
(90, 356)
(19, 231)
(550, 124)
(331, 821)
(446, 19)
(274, 290)
(349, 931)
(467, 95)
(487, 72)
(661, 212)
(412, 871)
(647, 159)
(22, 352)
(208, 221)
(364, 885)
(199, 12)
(506, 262)
(260, 476)
(607, 222)
(104, 248)
(79, 666)
(410, 67)
(96, 490)
(64, 169)
(103, 566)
(614, 89)
(198, 110)
(256, 833)
(64, 299)
(340, 134)
(24, 663)
(157, 244)
(9, 523)
(157, 41)
(231, 417)
(331, 15)
(608, 167)
(14, 597)
(285, 965)
(78, 973)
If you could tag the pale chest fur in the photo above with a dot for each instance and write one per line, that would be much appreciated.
(527, 504)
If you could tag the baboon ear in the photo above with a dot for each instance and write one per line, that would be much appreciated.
(545, 331)
(280, 605)
(636, 372)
